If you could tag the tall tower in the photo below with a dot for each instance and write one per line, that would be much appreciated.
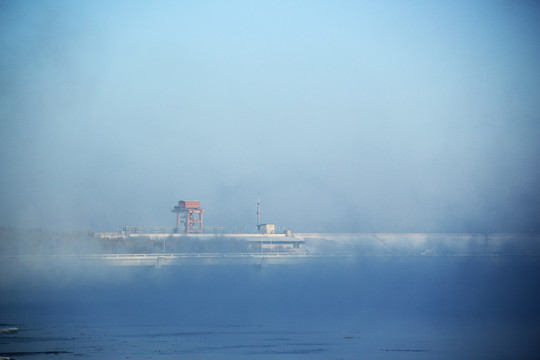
(259, 215)
(189, 216)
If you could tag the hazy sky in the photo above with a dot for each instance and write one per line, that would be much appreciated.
(341, 115)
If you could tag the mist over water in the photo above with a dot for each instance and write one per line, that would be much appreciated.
(343, 117)
(429, 307)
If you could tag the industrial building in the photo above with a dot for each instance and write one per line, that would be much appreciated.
(189, 217)
(267, 229)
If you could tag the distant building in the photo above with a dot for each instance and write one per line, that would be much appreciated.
(268, 229)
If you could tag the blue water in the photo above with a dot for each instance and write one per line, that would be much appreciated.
(369, 308)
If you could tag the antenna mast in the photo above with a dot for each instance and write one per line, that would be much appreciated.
(259, 215)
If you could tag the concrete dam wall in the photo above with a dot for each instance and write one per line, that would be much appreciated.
(423, 244)
(218, 249)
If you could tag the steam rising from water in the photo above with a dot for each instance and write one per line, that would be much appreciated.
(479, 302)
(349, 117)
(381, 288)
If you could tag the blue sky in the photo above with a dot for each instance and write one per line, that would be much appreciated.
(342, 116)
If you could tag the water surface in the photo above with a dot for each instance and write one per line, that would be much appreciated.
(393, 307)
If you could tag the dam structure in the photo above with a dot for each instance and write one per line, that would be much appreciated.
(188, 243)
(185, 249)
(155, 249)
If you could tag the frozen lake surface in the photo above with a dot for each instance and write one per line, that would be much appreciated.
(369, 307)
